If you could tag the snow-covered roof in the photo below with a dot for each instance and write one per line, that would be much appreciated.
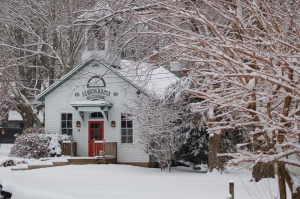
(42, 95)
(153, 80)
(14, 116)
(91, 103)
(140, 76)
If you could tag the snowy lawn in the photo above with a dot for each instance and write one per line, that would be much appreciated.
(121, 181)
(4, 150)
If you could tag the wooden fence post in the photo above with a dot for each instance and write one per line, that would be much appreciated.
(231, 188)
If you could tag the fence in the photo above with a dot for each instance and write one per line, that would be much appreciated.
(69, 148)
(110, 148)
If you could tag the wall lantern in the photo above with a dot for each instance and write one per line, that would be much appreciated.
(78, 124)
(113, 124)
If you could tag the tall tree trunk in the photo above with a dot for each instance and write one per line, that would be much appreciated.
(214, 148)
(30, 119)
(281, 180)
(297, 194)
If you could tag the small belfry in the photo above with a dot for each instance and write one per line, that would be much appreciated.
(102, 43)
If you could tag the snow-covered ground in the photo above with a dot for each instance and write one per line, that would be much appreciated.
(121, 181)
(4, 150)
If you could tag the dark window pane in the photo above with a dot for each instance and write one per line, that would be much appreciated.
(70, 131)
(92, 125)
(64, 131)
(123, 132)
(63, 124)
(97, 131)
(93, 115)
(123, 140)
(129, 139)
(69, 116)
(123, 124)
(69, 124)
(130, 132)
(97, 125)
(96, 115)
(129, 124)
(100, 115)
(63, 116)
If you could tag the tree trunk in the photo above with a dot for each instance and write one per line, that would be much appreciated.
(281, 180)
(284, 177)
(297, 194)
(214, 148)
(263, 170)
(4, 117)
(30, 119)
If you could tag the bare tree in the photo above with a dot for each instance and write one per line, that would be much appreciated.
(5, 102)
(39, 44)
(158, 124)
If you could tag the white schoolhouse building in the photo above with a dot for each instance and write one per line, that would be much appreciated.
(90, 104)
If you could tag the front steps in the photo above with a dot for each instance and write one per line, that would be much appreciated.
(69, 161)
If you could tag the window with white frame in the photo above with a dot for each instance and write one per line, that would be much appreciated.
(126, 128)
(67, 123)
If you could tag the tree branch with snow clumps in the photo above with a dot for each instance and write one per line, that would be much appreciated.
(246, 57)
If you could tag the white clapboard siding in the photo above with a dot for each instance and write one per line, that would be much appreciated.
(58, 101)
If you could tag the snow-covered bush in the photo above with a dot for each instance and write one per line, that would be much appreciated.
(12, 162)
(33, 145)
(194, 149)
(30, 145)
(53, 143)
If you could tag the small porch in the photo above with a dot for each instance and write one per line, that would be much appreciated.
(92, 130)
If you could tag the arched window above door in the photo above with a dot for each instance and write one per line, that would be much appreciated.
(96, 115)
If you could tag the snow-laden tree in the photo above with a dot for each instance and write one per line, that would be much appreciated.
(39, 43)
(5, 102)
(43, 40)
(169, 129)
(126, 38)
(191, 132)
(246, 56)
(158, 124)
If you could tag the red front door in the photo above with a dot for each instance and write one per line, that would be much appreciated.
(96, 133)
